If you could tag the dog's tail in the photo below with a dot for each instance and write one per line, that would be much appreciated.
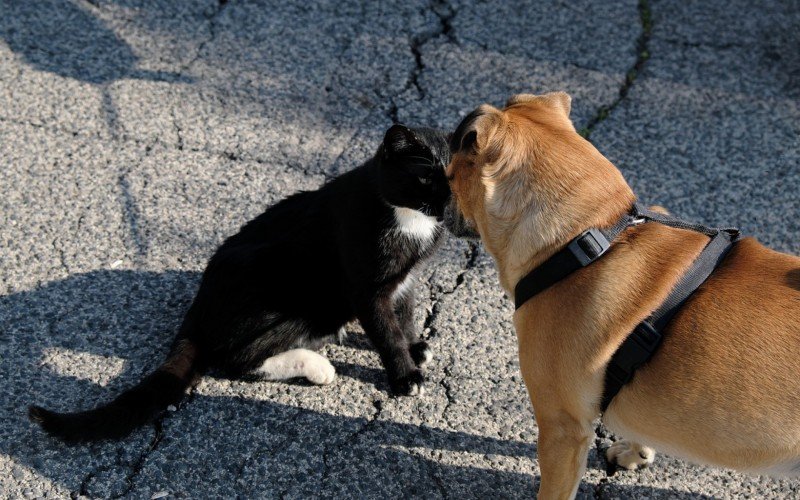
(132, 408)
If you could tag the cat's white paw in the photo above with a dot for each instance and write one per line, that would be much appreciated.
(319, 370)
(297, 363)
(416, 390)
(630, 455)
(421, 353)
(427, 356)
(409, 385)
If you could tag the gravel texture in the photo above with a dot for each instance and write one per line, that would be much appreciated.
(136, 134)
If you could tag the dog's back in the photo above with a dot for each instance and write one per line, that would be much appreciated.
(724, 388)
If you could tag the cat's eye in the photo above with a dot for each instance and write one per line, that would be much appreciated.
(424, 180)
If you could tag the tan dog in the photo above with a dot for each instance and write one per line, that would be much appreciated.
(724, 387)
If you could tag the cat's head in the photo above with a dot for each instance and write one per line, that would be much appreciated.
(411, 163)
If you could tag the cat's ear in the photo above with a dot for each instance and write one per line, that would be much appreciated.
(398, 139)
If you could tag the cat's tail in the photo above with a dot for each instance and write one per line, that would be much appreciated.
(132, 408)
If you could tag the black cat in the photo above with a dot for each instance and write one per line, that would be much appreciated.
(293, 276)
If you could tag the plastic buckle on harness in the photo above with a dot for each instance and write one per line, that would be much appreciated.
(589, 246)
(635, 351)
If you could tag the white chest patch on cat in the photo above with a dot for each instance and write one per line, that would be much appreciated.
(415, 224)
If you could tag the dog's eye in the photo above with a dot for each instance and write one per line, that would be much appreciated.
(424, 180)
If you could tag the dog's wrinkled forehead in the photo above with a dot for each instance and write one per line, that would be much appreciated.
(466, 133)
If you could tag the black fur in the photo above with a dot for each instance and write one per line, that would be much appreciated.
(293, 276)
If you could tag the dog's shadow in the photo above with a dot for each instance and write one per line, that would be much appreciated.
(72, 343)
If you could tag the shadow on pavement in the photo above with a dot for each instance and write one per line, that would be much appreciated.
(89, 319)
(212, 445)
(67, 39)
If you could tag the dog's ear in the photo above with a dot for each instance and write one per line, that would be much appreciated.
(560, 101)
(520, 98)
(466, 138)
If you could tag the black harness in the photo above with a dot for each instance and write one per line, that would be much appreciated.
(590, 245)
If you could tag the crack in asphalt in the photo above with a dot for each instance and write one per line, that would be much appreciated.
(328, 448)
(236, 157)
(437, 480)
(711, 45)
(430, 468)
(61, 256)
(448, 391)
(437, 293)
(254, 455)
(83, 490)
(211, 18)
(212, 34)
(137, 467)
(158, 436)
(642, 56)
(445, 12)
(29, 123)
(178, 130)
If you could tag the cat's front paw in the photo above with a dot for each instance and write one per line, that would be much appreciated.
(421, 353)
(409, 385)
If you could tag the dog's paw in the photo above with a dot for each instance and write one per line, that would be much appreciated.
(421, 353)
(410, 385)
(629, 455)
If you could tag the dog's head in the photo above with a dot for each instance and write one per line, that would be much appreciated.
(522, 177)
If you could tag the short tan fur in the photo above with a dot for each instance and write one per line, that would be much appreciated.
(723, 389)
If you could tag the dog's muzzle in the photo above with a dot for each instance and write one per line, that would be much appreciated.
(457, 224)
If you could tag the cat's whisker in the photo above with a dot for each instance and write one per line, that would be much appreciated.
(415, 157)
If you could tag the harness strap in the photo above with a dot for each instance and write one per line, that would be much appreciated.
(642, 343)
(668, 220)
(580, 252)
(592, 244)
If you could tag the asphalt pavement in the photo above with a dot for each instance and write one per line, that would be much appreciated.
(135, 135)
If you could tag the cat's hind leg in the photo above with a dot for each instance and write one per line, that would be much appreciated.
(284, 349)
(297, 363)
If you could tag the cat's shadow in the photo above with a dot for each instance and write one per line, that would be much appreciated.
(74, 342)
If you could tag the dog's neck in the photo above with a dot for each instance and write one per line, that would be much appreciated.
(539, 234)
(546, 196)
